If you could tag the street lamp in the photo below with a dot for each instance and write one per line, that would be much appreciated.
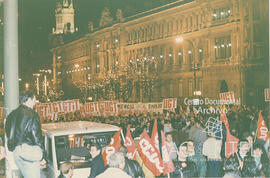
(179, 39)
(26, 86)
(37, 82)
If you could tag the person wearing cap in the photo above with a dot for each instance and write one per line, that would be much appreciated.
(66, 170)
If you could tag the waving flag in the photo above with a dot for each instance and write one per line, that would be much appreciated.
(113, 147)
(154, 137)
(262, 130)
(231, 144)
(129, 143)
(150, 154)
(167, 161)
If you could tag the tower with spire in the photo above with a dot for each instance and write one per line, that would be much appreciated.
(64, 14)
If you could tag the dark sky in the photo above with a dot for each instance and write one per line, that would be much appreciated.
(37, 17)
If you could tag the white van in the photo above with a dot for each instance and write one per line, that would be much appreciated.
(67, 141)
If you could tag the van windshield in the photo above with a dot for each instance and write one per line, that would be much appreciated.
(73, 148)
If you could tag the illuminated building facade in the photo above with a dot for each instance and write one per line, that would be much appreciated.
(171, 51)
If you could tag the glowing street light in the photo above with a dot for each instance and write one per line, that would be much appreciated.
(179, 39)
(26, 86)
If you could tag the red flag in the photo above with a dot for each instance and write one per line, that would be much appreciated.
(154, 137)
(262, 130)
(167, 161)
(112, 147)
(150, 154)
(129, 143)
(231, 144)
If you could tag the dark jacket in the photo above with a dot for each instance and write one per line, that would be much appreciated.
(97, 166)
(133, 168)
(250, 168)
(27, 126)
(61, 176)
(231, 165)
(189, 170)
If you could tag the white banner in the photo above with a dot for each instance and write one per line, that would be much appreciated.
(227, 98)
(266, 94)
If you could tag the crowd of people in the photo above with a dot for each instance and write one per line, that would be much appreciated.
(197, 152)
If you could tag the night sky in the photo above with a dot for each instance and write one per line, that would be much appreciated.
(37, 18)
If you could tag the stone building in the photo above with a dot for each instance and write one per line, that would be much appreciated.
(171, 51)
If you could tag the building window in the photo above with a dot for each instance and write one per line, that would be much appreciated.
(171, 89)
(223, 47)
(97, 66)
(180, 57)
(138, 90)
(170, 56)
(190, 88)
(190, 57)
(200, 84)
(180, 88)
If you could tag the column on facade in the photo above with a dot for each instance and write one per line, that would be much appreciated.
(211, 47)
(175, 57)
(185, 55)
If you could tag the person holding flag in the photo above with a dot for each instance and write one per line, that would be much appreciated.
(257, 165)
(233, 165)
(183, 166)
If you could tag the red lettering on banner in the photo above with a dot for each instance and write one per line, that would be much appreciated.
(169, 104)
(76, 141)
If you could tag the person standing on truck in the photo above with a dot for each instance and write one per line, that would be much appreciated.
(97, 164)
(23, 129)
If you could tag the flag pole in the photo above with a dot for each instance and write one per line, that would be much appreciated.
(255, 135)
(122, 135)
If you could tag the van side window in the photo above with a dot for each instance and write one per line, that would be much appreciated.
(49, 151)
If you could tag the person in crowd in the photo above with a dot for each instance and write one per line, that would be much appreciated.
(212, 149)
(248, 136)
(132, 167)
(167, 126)
(171, 146)
(23, 129)
(116, 166)
(257, 165)
(268, 152)
(198, 159)
(233, 165)
(183, 166)
(66, 170)
(199, 136)
(97, 164)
